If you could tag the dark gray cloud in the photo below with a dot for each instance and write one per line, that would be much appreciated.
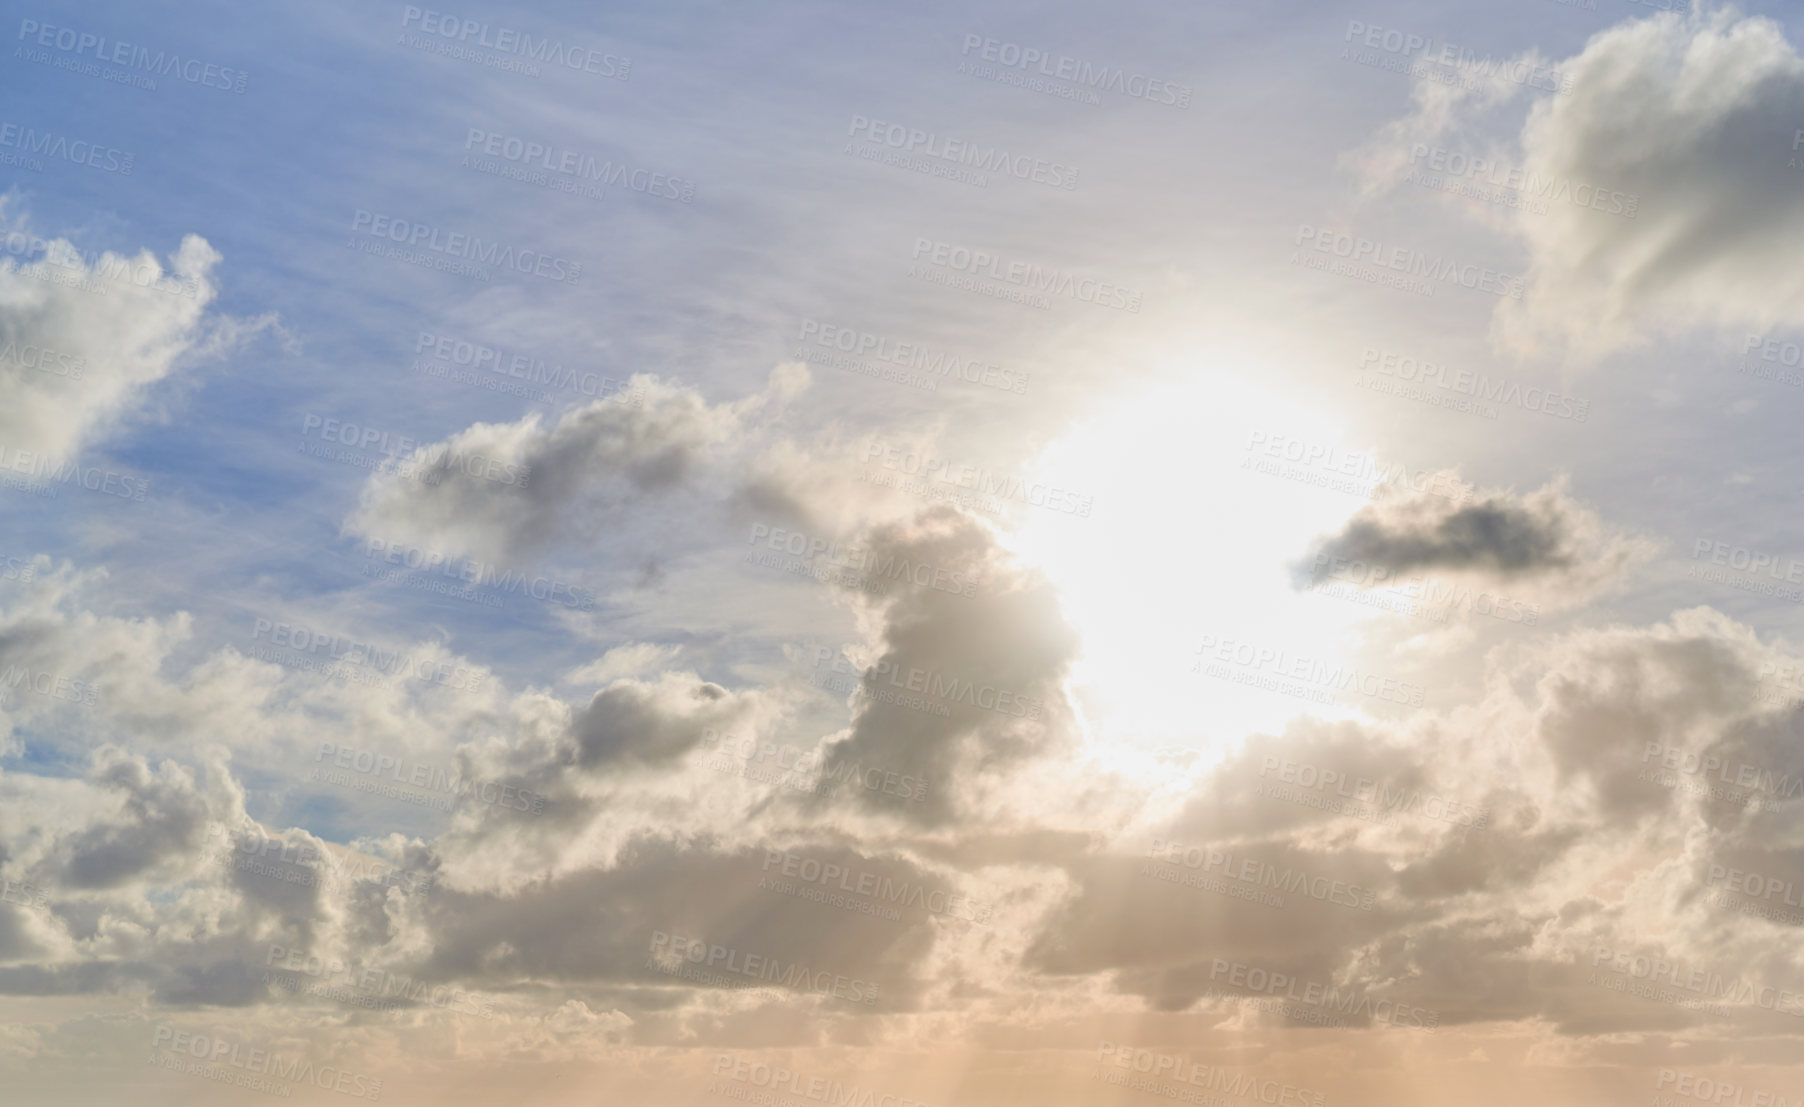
(162, 819)
(656, 722)
(1544, 540)
(1497, 535)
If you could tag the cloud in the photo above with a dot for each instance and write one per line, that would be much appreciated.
(1660, 194)
(502, 490)
(624, 661)
(1505, 842)
(640, 722)
(83, 338)
(162, 817)
(601, 924)
(1544, 539)
(966, 675)
(564, 907)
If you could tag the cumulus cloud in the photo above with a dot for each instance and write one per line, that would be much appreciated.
(1521, 807)
(1578, 804)
(1660, 193)
(616, 924)
(162, 816)
(76, 680)
(1543, 540)
(966, 677)
(963, 654)
(634, 721)
(822, 486)
(83, 337)
(500, 490)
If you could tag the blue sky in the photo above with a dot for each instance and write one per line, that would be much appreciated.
(1258, 229)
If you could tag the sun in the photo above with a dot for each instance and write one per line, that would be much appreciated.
(1190, 549)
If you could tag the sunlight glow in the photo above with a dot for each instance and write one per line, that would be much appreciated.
(1189, 540)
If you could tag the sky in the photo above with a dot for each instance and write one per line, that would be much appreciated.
(893, 555)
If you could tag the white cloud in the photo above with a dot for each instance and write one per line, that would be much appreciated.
(499, 491)
(83, 338)
(1668, 175)
(624, 661)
